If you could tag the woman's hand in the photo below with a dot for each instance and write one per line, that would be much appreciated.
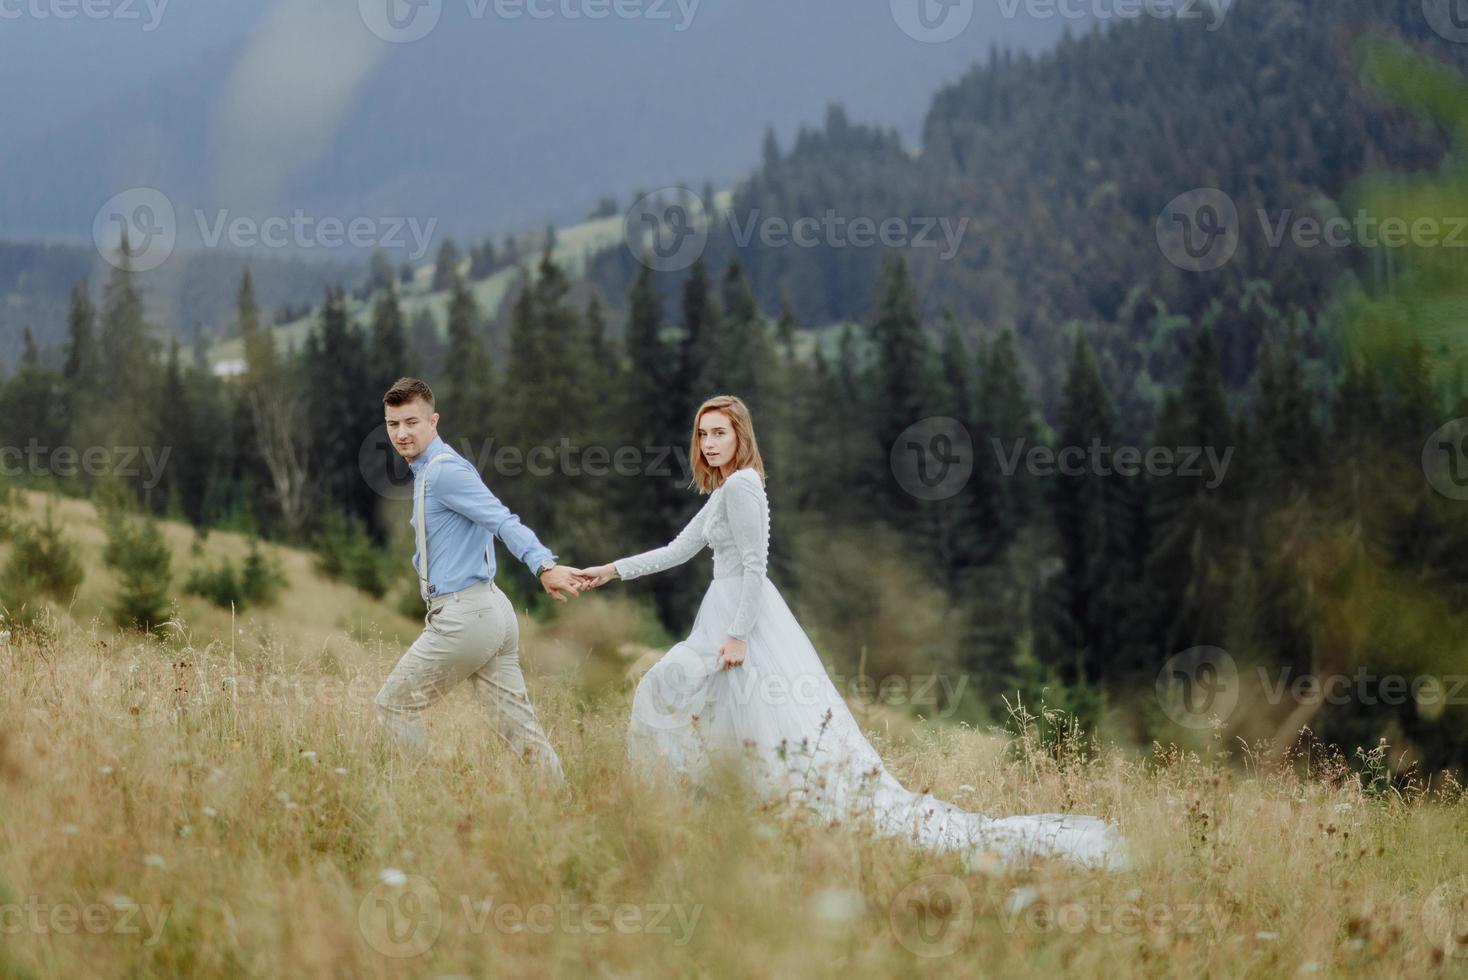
(600, 575)
(731, 654)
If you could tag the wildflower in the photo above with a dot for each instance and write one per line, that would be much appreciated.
(392, 877)
(155, 861)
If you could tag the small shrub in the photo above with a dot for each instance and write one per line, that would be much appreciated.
(41, 563)
(135, 547)
(257, 582)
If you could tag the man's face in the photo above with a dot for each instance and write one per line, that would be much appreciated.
(411, 427)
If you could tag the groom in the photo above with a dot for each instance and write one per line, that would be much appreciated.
(470, 630)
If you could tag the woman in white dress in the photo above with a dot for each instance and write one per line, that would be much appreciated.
(748, 684)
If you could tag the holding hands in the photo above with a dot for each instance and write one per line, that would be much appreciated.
(560, 578)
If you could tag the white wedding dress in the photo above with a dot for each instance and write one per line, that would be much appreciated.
(781, 716)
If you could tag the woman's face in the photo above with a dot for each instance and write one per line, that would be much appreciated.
(716, 438)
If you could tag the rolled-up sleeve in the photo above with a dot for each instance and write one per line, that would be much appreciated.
(461, 490)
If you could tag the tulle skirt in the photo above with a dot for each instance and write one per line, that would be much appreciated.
(779, 718)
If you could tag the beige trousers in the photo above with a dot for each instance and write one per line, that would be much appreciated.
(470, 634)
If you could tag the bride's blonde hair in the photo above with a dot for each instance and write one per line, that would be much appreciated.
(746, 450)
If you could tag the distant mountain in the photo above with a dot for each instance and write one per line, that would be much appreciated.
(1057, 169)
(485, 125)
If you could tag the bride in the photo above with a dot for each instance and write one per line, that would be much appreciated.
(747, 684)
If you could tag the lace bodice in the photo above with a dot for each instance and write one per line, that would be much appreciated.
(735, 522)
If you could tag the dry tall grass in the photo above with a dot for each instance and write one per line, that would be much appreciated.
(223, 804)
(195, 808)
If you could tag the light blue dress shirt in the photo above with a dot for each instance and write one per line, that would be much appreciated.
(462, 519)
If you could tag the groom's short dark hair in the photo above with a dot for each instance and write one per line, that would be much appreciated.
(405, 390)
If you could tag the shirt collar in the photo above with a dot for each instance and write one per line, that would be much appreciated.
(433, 448)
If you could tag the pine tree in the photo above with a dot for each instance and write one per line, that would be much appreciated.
(700, 333)
(900, 369)
(1193, 527)
(1093, 522)
(389, 354)
(446, 266)
(467, 399)
(81, 341)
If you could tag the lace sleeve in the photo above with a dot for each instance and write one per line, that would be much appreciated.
(749, 522)
(689, 542)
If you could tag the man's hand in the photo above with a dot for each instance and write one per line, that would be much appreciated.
(559, 577)
(600, 575)
(731, 654)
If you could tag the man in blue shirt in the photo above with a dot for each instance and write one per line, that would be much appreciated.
(470, 630)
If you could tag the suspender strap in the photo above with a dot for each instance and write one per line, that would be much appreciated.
(422, 525)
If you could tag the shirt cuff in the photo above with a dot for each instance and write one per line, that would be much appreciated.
(536, 558)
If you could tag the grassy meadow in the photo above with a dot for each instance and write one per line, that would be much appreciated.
(221, 802)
